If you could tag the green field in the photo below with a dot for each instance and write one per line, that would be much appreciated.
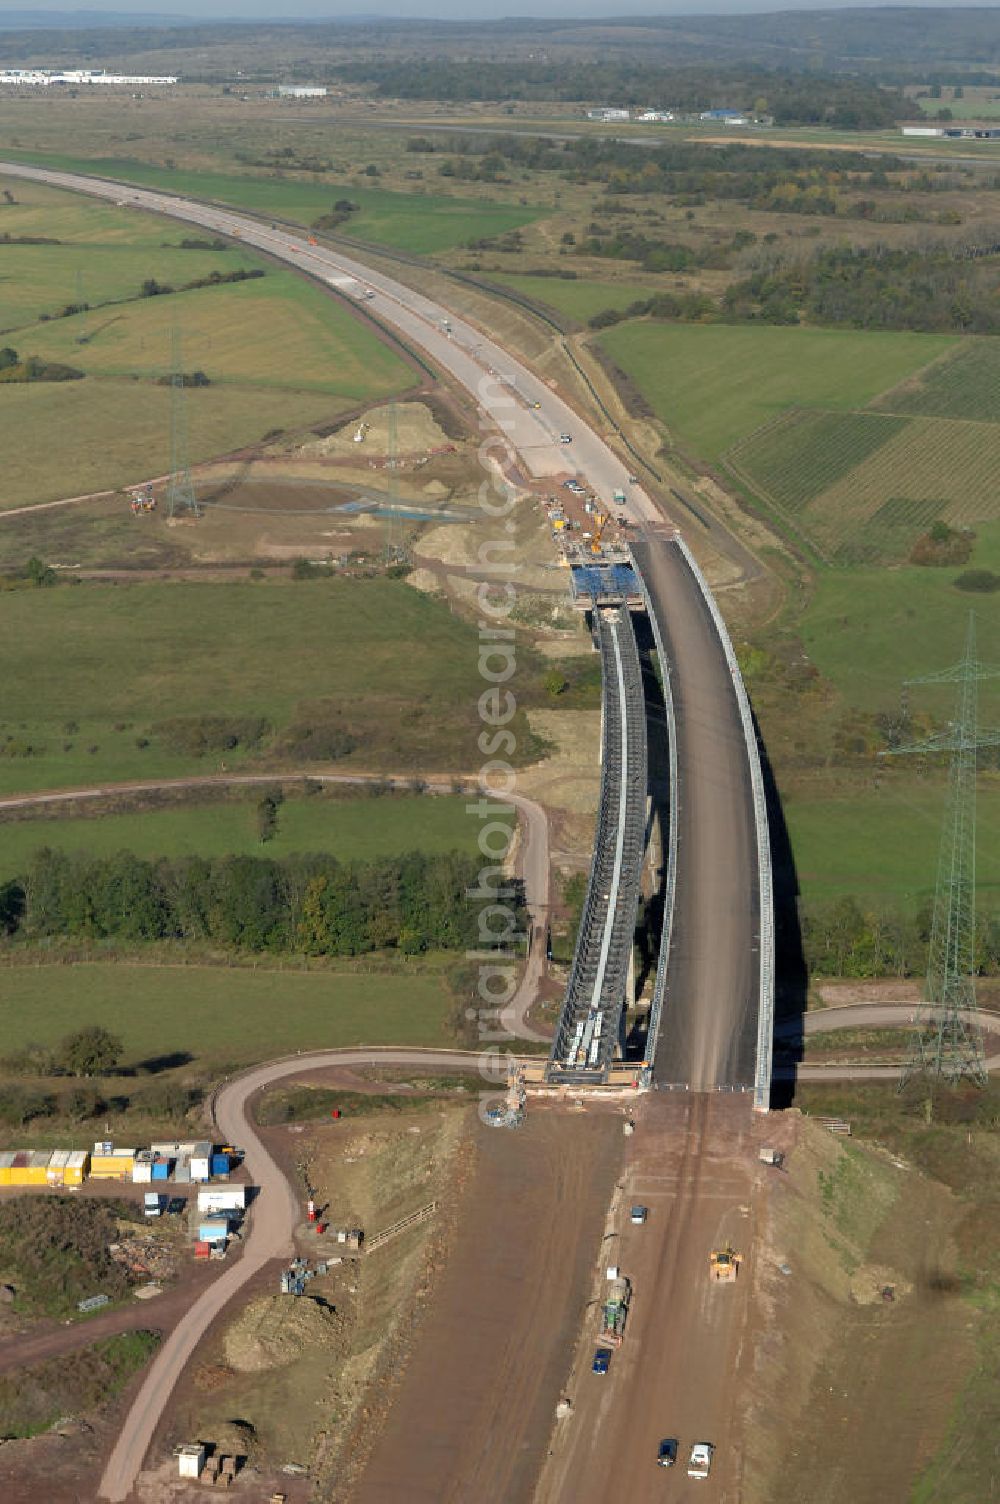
(867, 630)
(96, 666)
(222, 1015)
(72, 438)
(965, 384)
(421, 222)
(279, 351)
(277, 331)
(712, 384)
(581, 299)
(807, 450)
(357, 829)
(881, 844)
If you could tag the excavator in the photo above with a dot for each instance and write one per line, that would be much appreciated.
(724, 1264)
(600, 523)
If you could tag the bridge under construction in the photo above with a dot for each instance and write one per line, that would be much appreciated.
(711, 1014)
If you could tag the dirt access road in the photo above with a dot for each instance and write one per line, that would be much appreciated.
(276, 1213)
(686, 1354)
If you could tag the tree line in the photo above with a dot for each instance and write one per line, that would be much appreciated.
(844, 102)
(844, 938)
(926, 289)
(307, 904)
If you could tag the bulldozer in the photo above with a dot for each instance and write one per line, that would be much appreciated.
(724, 1264)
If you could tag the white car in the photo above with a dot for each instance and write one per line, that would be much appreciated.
(700, 1461)
(565, 438)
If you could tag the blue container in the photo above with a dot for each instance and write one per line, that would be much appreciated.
(219, 1164)
(161, 1169)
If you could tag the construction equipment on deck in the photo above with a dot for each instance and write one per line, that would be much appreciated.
(614, 1311)
(724, 1264)
(510, 1112)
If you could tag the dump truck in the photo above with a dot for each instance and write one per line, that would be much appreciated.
(724, 1264)
(614, 1312)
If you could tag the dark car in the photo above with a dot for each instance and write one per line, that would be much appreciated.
(602, 1360)
(667, 1454)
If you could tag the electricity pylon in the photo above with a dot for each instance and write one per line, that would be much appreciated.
(180, 487)
(947, 1040)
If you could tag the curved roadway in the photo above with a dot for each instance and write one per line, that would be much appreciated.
(501, 385)
(276, 1213)
(708, 1030)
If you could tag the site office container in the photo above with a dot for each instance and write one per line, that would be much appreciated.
(220, 1164)
(142, 1170)
(161, 1169)
(118, 1165)
(222, 1198)
(77, 1167)
(202, 1250)
(30, 1167)
(56, 1172)
(201, 1161)
(214, 1230)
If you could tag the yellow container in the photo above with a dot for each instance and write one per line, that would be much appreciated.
(77, 1167)
(111, 1167)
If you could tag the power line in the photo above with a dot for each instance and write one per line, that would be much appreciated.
(947, 1041)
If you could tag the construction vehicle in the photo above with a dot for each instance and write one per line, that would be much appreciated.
(724, 1264)
(614, 1311)
(600, 523)
(141, 499)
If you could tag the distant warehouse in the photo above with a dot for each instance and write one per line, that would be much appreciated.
(41, 78)
(965, 132)
(301, 91)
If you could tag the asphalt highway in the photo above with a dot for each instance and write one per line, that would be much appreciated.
(504, 388)
(709, 1025)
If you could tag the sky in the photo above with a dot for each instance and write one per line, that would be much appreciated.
(315, 10)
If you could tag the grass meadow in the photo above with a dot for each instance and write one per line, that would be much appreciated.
(98, 666)
(280, 352)
(223, 1016)
(352, 829)
(580, 297)
(713, 384)
(421, 222)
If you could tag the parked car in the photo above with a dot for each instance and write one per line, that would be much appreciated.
(565, 438)
(602, 1360)
(700, 1461)
(666, 1456)
(638, 1215)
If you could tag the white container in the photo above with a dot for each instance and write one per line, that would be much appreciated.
(142, 1172)
(190, 1460)
(222, 1198)
(201, 1156)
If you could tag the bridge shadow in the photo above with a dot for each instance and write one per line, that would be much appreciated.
(650, 924)
(791, 975)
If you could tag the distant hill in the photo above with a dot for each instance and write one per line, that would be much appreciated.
(82, 20)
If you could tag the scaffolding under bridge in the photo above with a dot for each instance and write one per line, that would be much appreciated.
(587, 1037)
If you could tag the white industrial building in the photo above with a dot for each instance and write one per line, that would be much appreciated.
(608, 112)
(301, 91)
(40, 78)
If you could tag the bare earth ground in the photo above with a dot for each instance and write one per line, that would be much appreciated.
(852, 1394)
(474, 1409)
(687, 1350)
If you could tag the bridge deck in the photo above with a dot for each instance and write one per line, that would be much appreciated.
(708, 1028)
(588, 1026)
